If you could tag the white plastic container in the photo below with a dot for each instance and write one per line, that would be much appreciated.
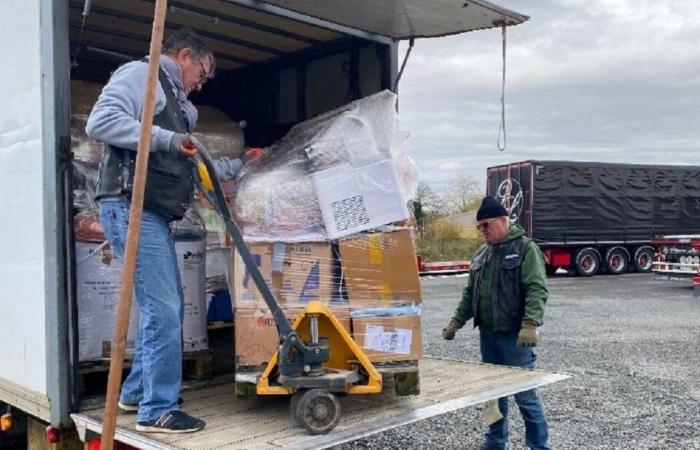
(190, 247)
(98, 280)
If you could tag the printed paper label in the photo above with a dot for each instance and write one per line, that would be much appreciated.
(397, 341)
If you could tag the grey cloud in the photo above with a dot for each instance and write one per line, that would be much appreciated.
(610, 80)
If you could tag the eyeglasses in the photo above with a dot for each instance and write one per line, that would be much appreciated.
(205, 76)
(483, 226)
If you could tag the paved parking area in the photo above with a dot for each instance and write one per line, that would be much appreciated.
(632, 343)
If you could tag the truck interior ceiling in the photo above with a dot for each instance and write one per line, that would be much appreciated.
(272, 72)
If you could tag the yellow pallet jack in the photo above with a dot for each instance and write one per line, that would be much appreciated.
(317, 358)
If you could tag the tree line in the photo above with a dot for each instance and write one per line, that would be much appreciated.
(442, 234)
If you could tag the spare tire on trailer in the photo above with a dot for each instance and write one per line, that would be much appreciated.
(643, 259)
(587, 262)
(617, 260)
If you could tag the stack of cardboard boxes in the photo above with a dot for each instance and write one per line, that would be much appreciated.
(383, 291)
(296, 274)
(369, 281)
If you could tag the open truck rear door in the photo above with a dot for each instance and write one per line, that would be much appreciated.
(400, 19)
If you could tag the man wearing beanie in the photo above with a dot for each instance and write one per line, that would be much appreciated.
(505, 296)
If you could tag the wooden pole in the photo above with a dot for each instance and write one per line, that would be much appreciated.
(116, 366)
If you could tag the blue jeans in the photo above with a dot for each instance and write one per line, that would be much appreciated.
(501, 348)
(156, 371)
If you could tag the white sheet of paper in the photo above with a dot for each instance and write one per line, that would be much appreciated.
(397, 341)
(373, 337)
(354, 199)
(403, 341)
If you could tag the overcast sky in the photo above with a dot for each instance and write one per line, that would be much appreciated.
(601, 80)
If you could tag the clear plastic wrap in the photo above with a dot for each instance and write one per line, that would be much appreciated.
(277, 195)
(324, 212)
(83, 96)
(86, 221)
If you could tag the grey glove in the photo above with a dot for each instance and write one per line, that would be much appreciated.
(180, 143)
(448, 333)
(527, 337)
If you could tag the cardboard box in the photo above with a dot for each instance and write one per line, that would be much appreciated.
(256, 333)
(389, 338)
(296, 274)
(354, 199)
(380, 269)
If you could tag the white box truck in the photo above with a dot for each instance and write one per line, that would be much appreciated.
(280, 62)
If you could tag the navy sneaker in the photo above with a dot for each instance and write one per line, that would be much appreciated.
(173, 422)
(132, 408)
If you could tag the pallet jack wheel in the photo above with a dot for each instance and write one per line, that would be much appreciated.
(318, 411)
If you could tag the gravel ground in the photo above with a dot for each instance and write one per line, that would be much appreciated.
(632, 343)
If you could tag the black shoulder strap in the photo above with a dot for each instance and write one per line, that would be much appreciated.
(171, 100)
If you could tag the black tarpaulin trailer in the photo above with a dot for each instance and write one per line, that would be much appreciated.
(592, 215)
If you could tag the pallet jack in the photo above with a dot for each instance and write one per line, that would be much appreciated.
(316, 359)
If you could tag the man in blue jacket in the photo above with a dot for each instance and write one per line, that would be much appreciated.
(153, 385)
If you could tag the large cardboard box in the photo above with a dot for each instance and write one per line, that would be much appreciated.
(256, 333)
(380, 269)
(296, 274)
(354, 199)
(389, 338)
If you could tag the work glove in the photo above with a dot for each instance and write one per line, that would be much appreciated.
(528, 334)
(448, 333)
(182, 143)
(492, 413)
(252, 154)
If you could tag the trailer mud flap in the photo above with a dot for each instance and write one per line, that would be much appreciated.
(264, 423)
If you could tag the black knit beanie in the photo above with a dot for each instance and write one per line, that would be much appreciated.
(490, 208)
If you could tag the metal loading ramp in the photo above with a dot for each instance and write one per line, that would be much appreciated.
(264, 422)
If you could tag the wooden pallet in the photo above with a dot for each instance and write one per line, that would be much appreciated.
(92, 376)
(202, 365)
(198, 365)
(402, 376)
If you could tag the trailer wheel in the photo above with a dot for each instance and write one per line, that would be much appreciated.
(617, 260)
(643, 259)
(318, 410)
(587, 262)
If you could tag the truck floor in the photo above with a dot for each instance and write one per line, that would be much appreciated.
(264, 422)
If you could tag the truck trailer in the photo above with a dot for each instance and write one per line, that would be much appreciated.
(678, 259)
(591, 217)
(279, 63)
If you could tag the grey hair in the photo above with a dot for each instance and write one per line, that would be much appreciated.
(187, 38)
